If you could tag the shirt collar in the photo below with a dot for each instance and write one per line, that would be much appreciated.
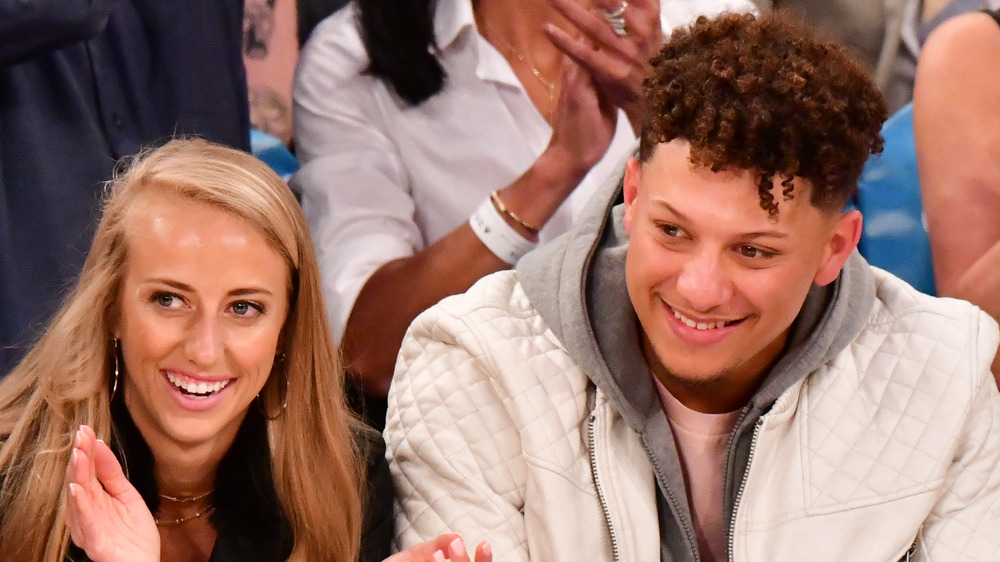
(451, 17)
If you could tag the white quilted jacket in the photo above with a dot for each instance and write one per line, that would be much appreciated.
(494, 432)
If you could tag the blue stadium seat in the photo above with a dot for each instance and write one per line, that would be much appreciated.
(895, 233)
(274, 153)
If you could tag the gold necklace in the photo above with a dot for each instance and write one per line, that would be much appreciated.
(187, 499)
(170, 522)
(548, 84)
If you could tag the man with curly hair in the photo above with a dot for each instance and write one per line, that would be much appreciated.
(705, 368)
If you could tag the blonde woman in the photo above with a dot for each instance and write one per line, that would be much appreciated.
(185, 403)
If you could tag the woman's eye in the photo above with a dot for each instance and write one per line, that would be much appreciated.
(244, 308)
(166, 300)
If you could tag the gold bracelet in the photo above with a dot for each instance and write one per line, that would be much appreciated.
(495, 198)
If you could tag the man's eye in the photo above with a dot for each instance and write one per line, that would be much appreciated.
(754, 252)
(671, 230)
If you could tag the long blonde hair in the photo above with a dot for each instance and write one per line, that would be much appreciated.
(64, 381)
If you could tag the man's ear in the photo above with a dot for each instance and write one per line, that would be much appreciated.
(631, 191)
(843, 240)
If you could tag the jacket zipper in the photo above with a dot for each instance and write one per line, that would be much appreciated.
(739, 492)
(600, 489)
(910, 553)
(672, 498)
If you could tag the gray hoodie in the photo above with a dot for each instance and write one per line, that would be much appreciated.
(577, 283)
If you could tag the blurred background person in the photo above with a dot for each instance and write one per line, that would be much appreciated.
(310, 12)
(956, 120)
(270, 52)
(84, 83)
(440, 141)
(886, 35)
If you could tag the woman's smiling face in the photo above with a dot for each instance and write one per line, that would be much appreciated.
(203, 301)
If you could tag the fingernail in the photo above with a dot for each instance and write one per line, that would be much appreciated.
(457, 548)
(487, 548)
(74, 490)
(72, 457)
(438, 557)
(78, 437)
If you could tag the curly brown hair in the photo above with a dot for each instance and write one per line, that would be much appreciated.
(762, 93)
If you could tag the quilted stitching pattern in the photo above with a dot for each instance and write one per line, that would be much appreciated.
(485, 400)
(898, 449)
(453, 407)
(909, 410)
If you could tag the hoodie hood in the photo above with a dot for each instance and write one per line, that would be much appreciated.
(577, 284)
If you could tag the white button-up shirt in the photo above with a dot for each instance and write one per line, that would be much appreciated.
(381, 180)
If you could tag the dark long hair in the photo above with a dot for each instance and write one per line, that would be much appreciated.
(399, 38)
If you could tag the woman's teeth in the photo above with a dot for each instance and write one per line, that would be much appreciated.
(199, 389)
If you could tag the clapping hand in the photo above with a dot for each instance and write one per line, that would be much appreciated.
(105, 514)
(616, 41)
(585, 119)
(445, 547)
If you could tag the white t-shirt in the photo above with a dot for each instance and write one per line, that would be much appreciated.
(381, 180)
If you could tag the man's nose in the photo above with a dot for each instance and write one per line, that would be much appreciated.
(705, 282)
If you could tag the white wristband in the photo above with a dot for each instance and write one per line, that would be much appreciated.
(499, 236)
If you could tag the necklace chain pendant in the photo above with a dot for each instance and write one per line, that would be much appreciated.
(171, 522)
(549, 85)
(186, 499)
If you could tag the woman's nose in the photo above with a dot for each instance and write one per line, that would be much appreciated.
(204, 341)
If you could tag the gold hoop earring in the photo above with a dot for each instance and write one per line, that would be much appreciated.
(284, 395)
(114, 387)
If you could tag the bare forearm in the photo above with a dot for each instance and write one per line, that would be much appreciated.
(955, 112)
(400, 290)
(270, 49)
(980, 283)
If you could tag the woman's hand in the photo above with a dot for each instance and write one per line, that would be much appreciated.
(105, 514)
(583, 125)
(618, 63)
(445, 547)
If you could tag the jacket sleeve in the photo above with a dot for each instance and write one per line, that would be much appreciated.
(965, 521)
(29, 27)
(453, 447)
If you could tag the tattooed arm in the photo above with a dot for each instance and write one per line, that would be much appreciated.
(270, 51)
